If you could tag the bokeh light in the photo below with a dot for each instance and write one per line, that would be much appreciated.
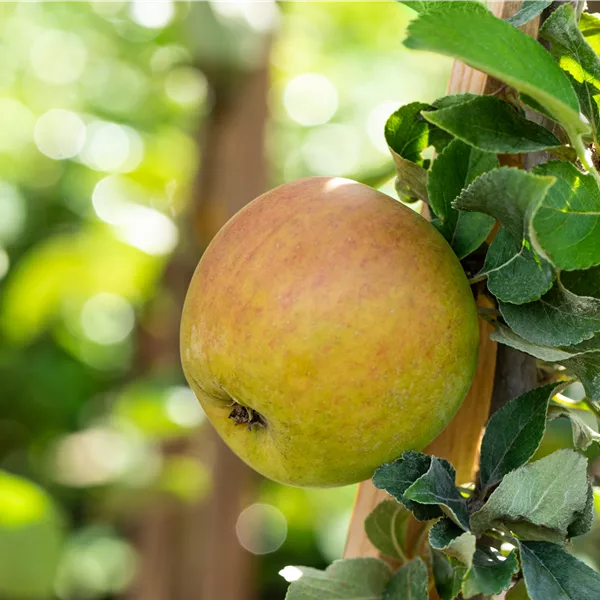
(186, 86)
(58, 57)
(16, 125)
(261, 528)
(111, 147)
(376, 123)
(310, 99)
(148, 230)
(59, 134)
(153, 15)
(183, 408)
(332, 150)
(93, 457)
(97, 562)
(107, 9)
(107, 318)
(260, 16)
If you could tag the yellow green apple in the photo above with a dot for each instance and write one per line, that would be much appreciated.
(327, 329)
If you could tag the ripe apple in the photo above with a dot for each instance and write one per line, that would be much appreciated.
(327, 329)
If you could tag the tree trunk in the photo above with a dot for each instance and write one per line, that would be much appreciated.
(192, 553)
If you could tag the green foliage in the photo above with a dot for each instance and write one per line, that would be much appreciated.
(398, 476)
(566, 223)
(551, 572)
(490, 574)
(492, 125)
(513, 434)
(350, 579)
(497, 48)
(407, 135)
(386, 528)
(453, 541)
(559, 318)
(455, 168)
(535, 494)
(448, 575)
(528, 11)
(437, 487)
(515, 272)
(576, 57)
(409, 583)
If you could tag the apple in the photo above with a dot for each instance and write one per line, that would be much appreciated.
(327, 329)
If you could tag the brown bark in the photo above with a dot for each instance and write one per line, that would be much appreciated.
(234, 172)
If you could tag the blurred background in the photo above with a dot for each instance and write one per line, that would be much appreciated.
(129, 133)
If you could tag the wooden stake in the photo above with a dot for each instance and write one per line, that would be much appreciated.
(459, 442)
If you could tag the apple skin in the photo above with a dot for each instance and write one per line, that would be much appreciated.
(343, 318)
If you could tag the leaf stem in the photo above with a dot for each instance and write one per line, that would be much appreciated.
(476, 279)
(592, 406)
(397, 547)
(581, 154)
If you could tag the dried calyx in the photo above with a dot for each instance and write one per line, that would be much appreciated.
(245, 415)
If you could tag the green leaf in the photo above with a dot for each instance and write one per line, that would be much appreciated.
(551, 572)
(589, 25)
(448, 575)
(455, 168)
(583, 283)
(586, 367)
(583, 523)
(583, 422)
(423, 6)
(589, 97)
(454, 542)
(490, 573)
(454, 99)
(492, 125)
(407, 134)
(566, 223)
(506, 336)
(409, 583)
(386, 528)
(548, 493)
(396, 477)
(583, 359)
(528, 11)
(559, 318)
(576, 57)
(462, 30)
(513, 434)
(437, 486)
(349, 579)
(515, 273)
